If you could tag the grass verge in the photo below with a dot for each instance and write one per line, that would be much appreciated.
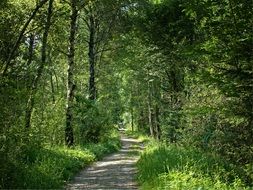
(173, 167)
(51, 167)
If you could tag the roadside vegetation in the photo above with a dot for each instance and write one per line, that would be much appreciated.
(50, 167)
(169, 166)
(180, 72)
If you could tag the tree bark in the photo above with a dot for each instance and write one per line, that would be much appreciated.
(30, 58)
(33, 90)
(69, 135)
(132, 119)
(91, 55)
(98, 36)
(31, 49)
(52, 87)
(150, 117)
(157, 123)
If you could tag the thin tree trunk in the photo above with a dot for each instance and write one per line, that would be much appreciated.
(30, 58)
(51, 76)
(31, 49)
(158, 129)
(69, 135)
(52, 87)
(157, 109)
(96, 43)
(150, 119)
(33, 90)
(132, 119)
(91, 55)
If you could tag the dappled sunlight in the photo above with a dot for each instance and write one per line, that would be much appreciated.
(164, 83)
(116, 171)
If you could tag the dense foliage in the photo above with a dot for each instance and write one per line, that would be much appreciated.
(180, 71)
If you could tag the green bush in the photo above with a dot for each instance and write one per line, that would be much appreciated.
(93, 121)
(105, 147)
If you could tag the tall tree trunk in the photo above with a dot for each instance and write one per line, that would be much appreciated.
(157, 122)
(33, 90)
(30, 58)
(52, 87)
(69, 135)
(31, 49)
(132, 119)
(150, 117)
(92, 61)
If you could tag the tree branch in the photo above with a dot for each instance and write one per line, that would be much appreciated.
(21, 34)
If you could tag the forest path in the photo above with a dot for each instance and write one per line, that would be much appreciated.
(116, 171)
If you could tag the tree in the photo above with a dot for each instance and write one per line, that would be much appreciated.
(169, 32)
(32, 93)
(224, 47)
(100, 18)
(69, 135)
(21, 34)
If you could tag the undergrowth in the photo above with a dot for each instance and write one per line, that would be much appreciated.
(50, 167)
(174, 167)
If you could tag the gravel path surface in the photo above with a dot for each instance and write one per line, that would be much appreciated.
(116, 171)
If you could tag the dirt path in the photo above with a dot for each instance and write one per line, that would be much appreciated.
(116, 171)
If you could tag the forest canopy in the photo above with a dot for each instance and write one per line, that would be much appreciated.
(180, 71)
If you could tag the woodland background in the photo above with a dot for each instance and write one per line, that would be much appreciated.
(72, 70)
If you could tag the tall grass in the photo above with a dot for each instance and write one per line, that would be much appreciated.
(172, 167)
(51, 167)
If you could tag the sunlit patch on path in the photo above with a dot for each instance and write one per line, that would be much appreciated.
(116, 171)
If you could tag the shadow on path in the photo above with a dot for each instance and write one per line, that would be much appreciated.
(116, 171)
